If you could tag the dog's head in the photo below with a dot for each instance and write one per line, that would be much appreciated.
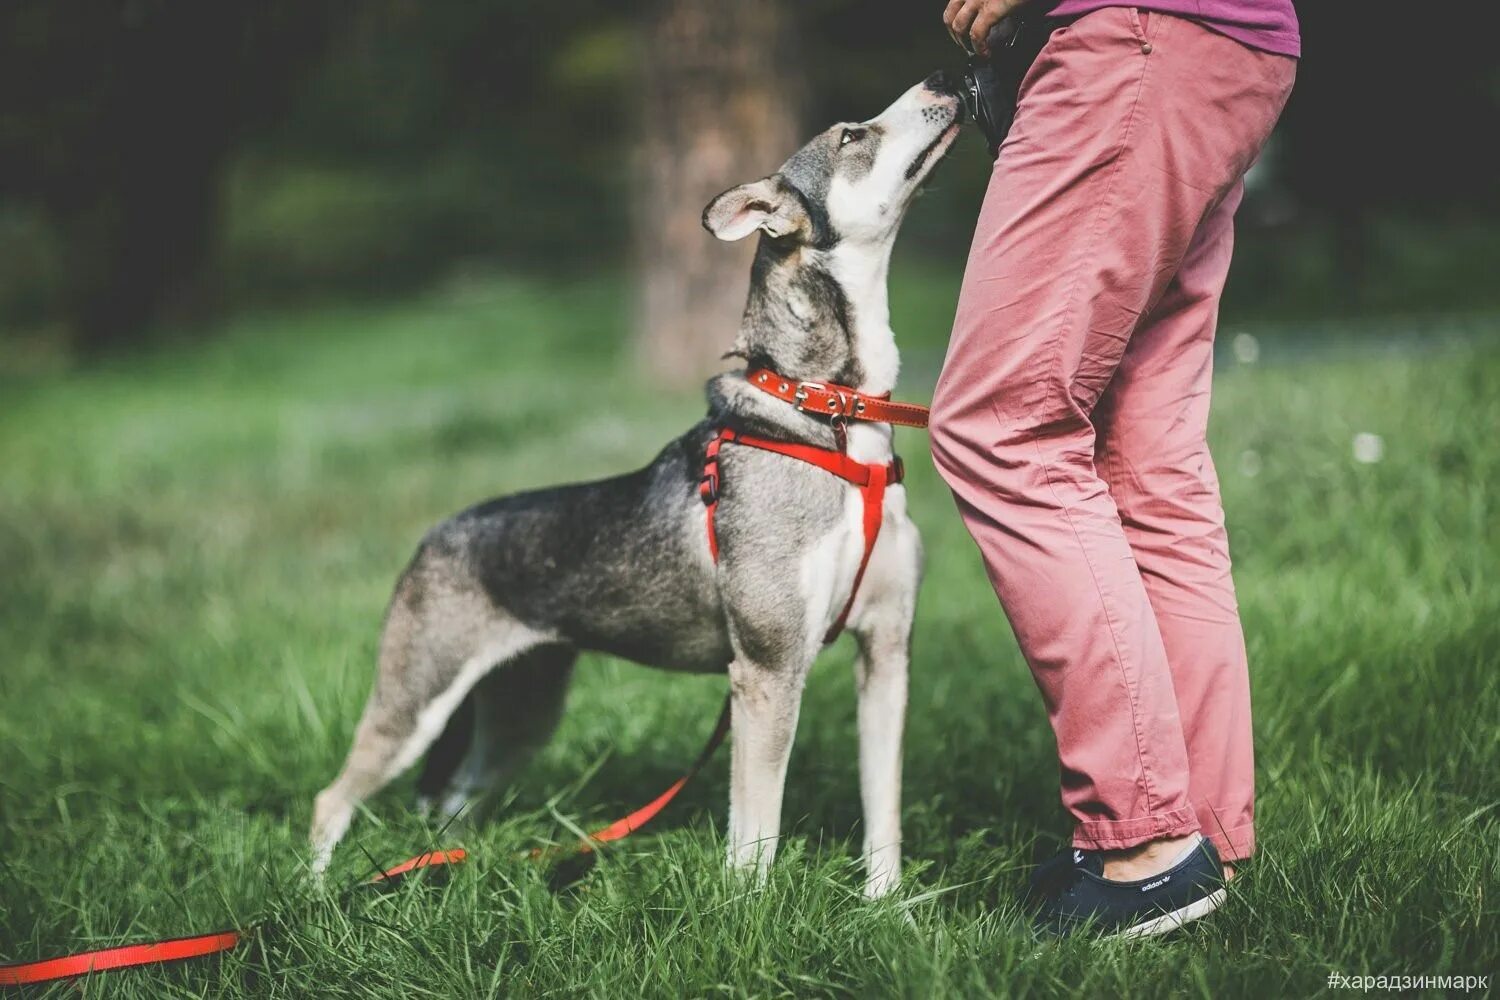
(853, 182)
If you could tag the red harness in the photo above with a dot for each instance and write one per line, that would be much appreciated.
(841, 403)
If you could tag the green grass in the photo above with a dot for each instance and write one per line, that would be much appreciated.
(196, 548)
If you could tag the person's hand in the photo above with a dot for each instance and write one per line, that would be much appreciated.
(970, 21)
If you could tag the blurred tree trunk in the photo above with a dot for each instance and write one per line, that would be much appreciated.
(143, 244)
(717, 110)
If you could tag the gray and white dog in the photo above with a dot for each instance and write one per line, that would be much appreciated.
(499, 599)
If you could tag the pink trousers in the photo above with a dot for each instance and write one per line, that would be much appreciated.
(1071, 415)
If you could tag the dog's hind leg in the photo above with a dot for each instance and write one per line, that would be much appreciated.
(505, 719)
(440, 638)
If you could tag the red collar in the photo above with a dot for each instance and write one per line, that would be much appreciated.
(838, 401)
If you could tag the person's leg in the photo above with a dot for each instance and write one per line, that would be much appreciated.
(1152, 450)
(1123, 141)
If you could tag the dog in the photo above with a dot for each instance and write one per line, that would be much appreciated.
(498, 600)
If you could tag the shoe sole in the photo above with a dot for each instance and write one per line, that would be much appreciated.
(1171, 921)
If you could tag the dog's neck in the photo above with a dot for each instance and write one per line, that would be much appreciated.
(863, 277)
(816, 315)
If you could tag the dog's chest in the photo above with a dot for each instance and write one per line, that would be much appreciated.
(829, 569)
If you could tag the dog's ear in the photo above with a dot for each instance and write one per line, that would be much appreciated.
(768, 205)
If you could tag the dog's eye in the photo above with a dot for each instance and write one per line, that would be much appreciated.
(852, 135)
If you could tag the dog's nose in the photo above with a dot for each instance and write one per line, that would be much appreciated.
(942, 82)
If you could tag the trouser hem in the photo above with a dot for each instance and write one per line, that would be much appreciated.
(1233, 845)
(1117, 835)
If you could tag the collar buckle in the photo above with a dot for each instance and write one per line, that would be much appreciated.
(840, 403)
(803, 389)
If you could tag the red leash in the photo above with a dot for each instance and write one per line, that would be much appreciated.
(626, 825)
(429, 860)
(176, 949)
(117, 958)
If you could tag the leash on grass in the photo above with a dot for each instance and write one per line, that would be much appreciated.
(200, 945)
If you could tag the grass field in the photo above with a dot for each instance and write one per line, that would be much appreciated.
(197, 547)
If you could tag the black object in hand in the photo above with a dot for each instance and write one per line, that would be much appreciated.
(991, 83)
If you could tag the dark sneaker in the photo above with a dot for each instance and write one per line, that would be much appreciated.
(1072, 894)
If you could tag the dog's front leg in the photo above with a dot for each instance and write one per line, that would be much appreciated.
(882, 624)
(880, 676)
(765, 703)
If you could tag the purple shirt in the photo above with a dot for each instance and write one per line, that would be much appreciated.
(1270, 25)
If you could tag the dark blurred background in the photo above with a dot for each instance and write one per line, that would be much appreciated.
(165, 164)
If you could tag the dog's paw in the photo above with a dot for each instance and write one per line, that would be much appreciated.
(879, 883)
(751, 858)
(882, 869)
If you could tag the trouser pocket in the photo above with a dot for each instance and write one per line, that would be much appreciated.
(1140, 24)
